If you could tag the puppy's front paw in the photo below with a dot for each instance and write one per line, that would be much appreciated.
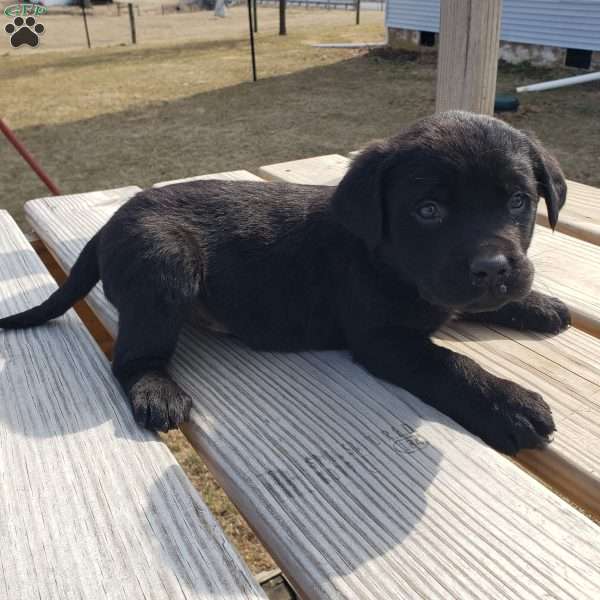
(158, 403)
(520, 419)
(548, 315)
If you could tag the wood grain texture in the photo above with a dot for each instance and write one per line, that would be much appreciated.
(566, 371)
(240, 175)
(359, 490)
(562, 367)
(570, 269)
(325, 170)
(468, 55)
(580, 216)
(92, 507)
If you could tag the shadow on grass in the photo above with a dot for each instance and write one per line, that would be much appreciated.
(336, 107)
(333, 108)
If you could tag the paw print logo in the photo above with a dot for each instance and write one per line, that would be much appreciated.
(24, 31)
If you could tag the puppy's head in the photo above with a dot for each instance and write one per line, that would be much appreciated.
(450, 204)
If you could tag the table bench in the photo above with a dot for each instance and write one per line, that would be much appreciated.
(91, 505)
(357, 488)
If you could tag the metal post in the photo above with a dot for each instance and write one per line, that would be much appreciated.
(282, 27)
(358, 12)
(87, 33)
(251, 39)
(132, 22)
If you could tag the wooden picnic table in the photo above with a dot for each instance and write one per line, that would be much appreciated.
(358, 489)
(569, 268)
(92, 506)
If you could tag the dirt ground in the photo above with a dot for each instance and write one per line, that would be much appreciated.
(181, 103)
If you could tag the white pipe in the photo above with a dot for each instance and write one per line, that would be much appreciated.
(557, 83)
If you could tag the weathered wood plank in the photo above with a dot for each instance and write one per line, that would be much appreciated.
(468, 55)
(580, 217)
(240, 175)
(563, 367)
(327, 170)
(92, 506)
(569, 268)
(358, 489)
(566, 371)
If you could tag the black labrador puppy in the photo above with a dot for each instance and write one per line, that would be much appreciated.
(430, 225)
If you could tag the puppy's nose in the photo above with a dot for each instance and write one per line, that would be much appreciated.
(489, 270)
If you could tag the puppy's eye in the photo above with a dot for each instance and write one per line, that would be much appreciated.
(429, 212)
(517, 202)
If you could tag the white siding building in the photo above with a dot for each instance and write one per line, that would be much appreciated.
(537, 30)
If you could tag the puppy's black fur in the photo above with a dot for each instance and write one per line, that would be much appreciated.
(429, 225)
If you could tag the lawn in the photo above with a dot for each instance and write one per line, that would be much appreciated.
(180, 103)
(135, 115)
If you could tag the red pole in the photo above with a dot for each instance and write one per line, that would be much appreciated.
(12, 138)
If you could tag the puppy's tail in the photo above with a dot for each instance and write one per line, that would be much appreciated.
(82, 278)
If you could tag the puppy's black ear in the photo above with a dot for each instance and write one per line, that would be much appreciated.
(357, 202)
(550, 179)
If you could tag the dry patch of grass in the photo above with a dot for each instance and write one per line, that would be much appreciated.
(189, 53)
(65, 30)
(567, 120)
(136, 115)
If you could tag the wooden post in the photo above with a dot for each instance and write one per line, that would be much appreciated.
(468, 55)
(255, 16)
(357, 12)
(132, 22)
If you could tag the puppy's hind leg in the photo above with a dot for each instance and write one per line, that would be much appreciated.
(148, 332)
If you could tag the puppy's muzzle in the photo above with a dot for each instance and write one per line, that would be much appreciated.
(491, 272)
